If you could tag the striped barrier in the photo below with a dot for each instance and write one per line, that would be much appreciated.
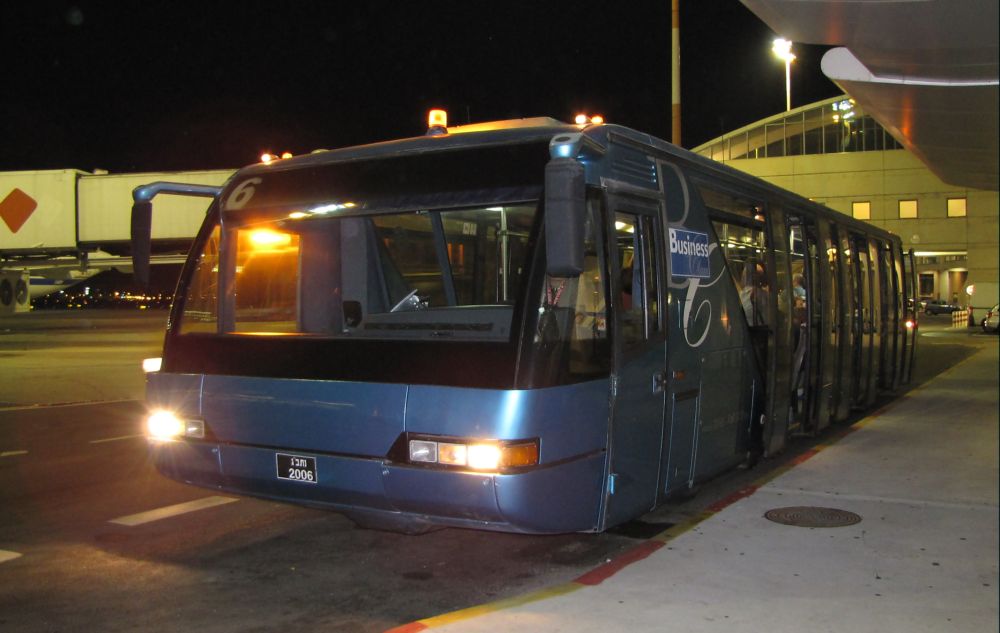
(960, 318)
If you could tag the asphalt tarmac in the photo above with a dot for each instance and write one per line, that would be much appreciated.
(92, 538)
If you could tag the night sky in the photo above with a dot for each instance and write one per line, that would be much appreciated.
(156, 85)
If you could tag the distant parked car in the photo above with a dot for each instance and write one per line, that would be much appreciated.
(992, 321)
(939, 306)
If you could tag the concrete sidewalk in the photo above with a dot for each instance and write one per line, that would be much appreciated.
(923, 475)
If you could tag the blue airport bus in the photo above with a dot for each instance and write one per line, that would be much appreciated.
(525, 326)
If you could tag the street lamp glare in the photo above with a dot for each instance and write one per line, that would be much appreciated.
(782, 49)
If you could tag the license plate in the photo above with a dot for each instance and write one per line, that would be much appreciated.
(297, 468)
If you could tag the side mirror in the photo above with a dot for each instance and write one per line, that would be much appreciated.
(142, 219)
(142, 224)
(565, 217)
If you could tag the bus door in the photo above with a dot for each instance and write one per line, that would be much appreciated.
(890, 317)
(638, 398)
(809, 296)
(779, 421)
(846, 365)
(909, 281)
(828, 273)
(861, 321)
(877, 320)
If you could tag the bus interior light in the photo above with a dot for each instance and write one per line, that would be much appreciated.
(265, 238)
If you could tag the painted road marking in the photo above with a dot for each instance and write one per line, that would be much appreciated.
(116, 439)
(12, 453)
(57, 405)
(6, 555)
(133, 520)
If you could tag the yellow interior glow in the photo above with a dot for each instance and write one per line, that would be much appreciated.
(268, 238)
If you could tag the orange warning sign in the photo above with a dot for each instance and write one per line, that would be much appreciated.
(16, 208)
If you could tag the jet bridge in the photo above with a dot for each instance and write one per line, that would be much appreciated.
(58, 227)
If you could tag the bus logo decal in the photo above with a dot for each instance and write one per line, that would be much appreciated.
(689, 254)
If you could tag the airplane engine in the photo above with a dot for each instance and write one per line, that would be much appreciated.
(14, 295)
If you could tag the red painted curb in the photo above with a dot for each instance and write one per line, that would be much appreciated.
(803, 457)
(609, 569)
(742, 493)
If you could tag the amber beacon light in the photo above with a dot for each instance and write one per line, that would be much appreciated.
(437, 121)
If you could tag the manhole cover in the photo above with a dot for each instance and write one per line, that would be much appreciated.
(812, 517)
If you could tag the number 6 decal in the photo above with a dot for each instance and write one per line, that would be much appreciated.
(242, 193)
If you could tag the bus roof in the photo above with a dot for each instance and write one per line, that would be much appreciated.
(526, 130)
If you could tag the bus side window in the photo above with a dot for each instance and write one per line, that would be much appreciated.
(743, 249)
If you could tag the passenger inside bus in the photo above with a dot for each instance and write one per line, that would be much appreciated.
(755, 295)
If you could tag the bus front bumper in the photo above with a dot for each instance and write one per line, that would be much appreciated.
(401, 497)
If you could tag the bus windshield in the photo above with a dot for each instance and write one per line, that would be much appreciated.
(416, 274)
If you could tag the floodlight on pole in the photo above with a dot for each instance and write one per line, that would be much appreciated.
(782, 49)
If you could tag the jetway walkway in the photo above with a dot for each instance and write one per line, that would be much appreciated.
(58, 227)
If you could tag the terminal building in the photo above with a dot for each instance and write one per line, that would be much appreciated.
(834, 153)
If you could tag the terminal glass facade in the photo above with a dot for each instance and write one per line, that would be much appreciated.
(828, 127)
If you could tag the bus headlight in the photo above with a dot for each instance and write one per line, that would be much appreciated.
(473, 454)
(164, 425)
(484, 456)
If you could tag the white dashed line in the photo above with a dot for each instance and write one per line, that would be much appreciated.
(6, 555)
(133, 520)
(13, 453)
(116, 439)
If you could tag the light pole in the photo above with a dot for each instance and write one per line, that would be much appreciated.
(782, 49)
